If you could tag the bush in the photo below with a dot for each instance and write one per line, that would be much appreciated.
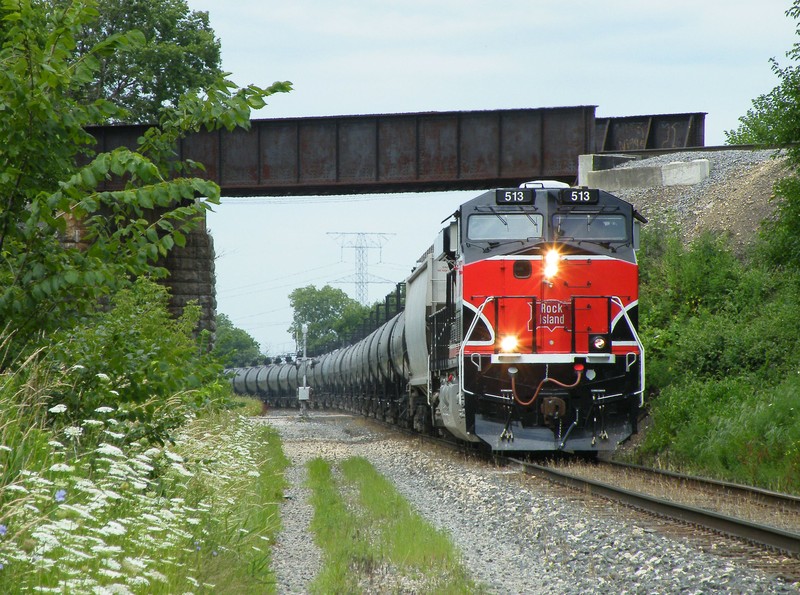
(136, 358)
(722, 346)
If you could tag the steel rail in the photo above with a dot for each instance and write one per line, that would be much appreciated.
(772, 497)
(778, 539)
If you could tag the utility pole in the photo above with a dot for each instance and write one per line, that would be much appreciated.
(361, 242)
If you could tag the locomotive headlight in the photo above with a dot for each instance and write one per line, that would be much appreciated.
(551, 263)
(599, 344)
(508, 344)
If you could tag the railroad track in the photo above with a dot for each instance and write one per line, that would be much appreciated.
(785, 541)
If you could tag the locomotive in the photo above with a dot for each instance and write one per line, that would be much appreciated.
(519, 330)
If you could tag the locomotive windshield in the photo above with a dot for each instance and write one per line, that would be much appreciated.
(591, 226)
(504, 226)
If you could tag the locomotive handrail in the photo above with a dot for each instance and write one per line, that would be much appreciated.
(619, 303)
(464, 342)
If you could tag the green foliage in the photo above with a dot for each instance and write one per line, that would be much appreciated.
(177, 53)
(781, 236)
(722, 346)
(731, 428)
(774, 119)
(685, 279)
(45, 284)
(136, 358)
(233, 346)
(331, 315)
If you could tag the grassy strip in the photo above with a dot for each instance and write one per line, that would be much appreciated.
(337, 533)
(376, 537)
(198, 516)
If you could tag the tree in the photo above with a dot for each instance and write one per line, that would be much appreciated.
(178, 53)
(331, 315)
(234, 347)
(43, 284)
(774, 119)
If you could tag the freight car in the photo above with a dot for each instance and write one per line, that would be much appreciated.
(519, 330)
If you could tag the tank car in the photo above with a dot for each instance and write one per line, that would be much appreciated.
(519, 330)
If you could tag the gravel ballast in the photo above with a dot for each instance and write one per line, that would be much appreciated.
(733, 200)
(516, 534)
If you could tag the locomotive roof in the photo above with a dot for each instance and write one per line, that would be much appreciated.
(606, 199)
(552, 205)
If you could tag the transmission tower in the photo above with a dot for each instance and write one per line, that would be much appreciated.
(361, 242)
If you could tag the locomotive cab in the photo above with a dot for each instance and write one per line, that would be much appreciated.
(536, 346)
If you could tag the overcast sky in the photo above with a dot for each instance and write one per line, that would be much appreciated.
(366, 57)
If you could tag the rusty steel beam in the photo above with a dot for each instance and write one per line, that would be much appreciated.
(636, 133)
(412, 152)
(385, 153)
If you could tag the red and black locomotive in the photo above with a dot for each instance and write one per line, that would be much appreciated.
(519, 330)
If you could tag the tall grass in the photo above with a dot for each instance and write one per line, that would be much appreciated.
(372, 537)
(82, 509)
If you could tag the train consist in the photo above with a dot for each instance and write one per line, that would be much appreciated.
(519, 330)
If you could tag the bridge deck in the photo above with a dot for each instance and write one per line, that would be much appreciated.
(414, 152)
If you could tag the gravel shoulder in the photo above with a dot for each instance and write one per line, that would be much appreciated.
(516, 534)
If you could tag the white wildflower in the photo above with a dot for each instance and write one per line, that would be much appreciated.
(5, 448)
(114, 435)
(103, 377)
(140, 466)
(156, 575)
(15, 487)
(253, 474)
(92, 423)
(73, 432)
(108, 449)
(139, 581)
(61, 467)
(182, 470)
(60, 408)
(173, 456)
(79, 509)
(193, 521)
(112, 528)
(77, 367)
(110, 573)
(66, 525)
(107, 549)
(135, 563)
(55, 444)
(77, 554)
(104, 409)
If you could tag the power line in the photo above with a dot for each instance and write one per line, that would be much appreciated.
(361, 242)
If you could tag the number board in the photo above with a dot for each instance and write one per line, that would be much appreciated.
(579, 196)
(514, 196)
